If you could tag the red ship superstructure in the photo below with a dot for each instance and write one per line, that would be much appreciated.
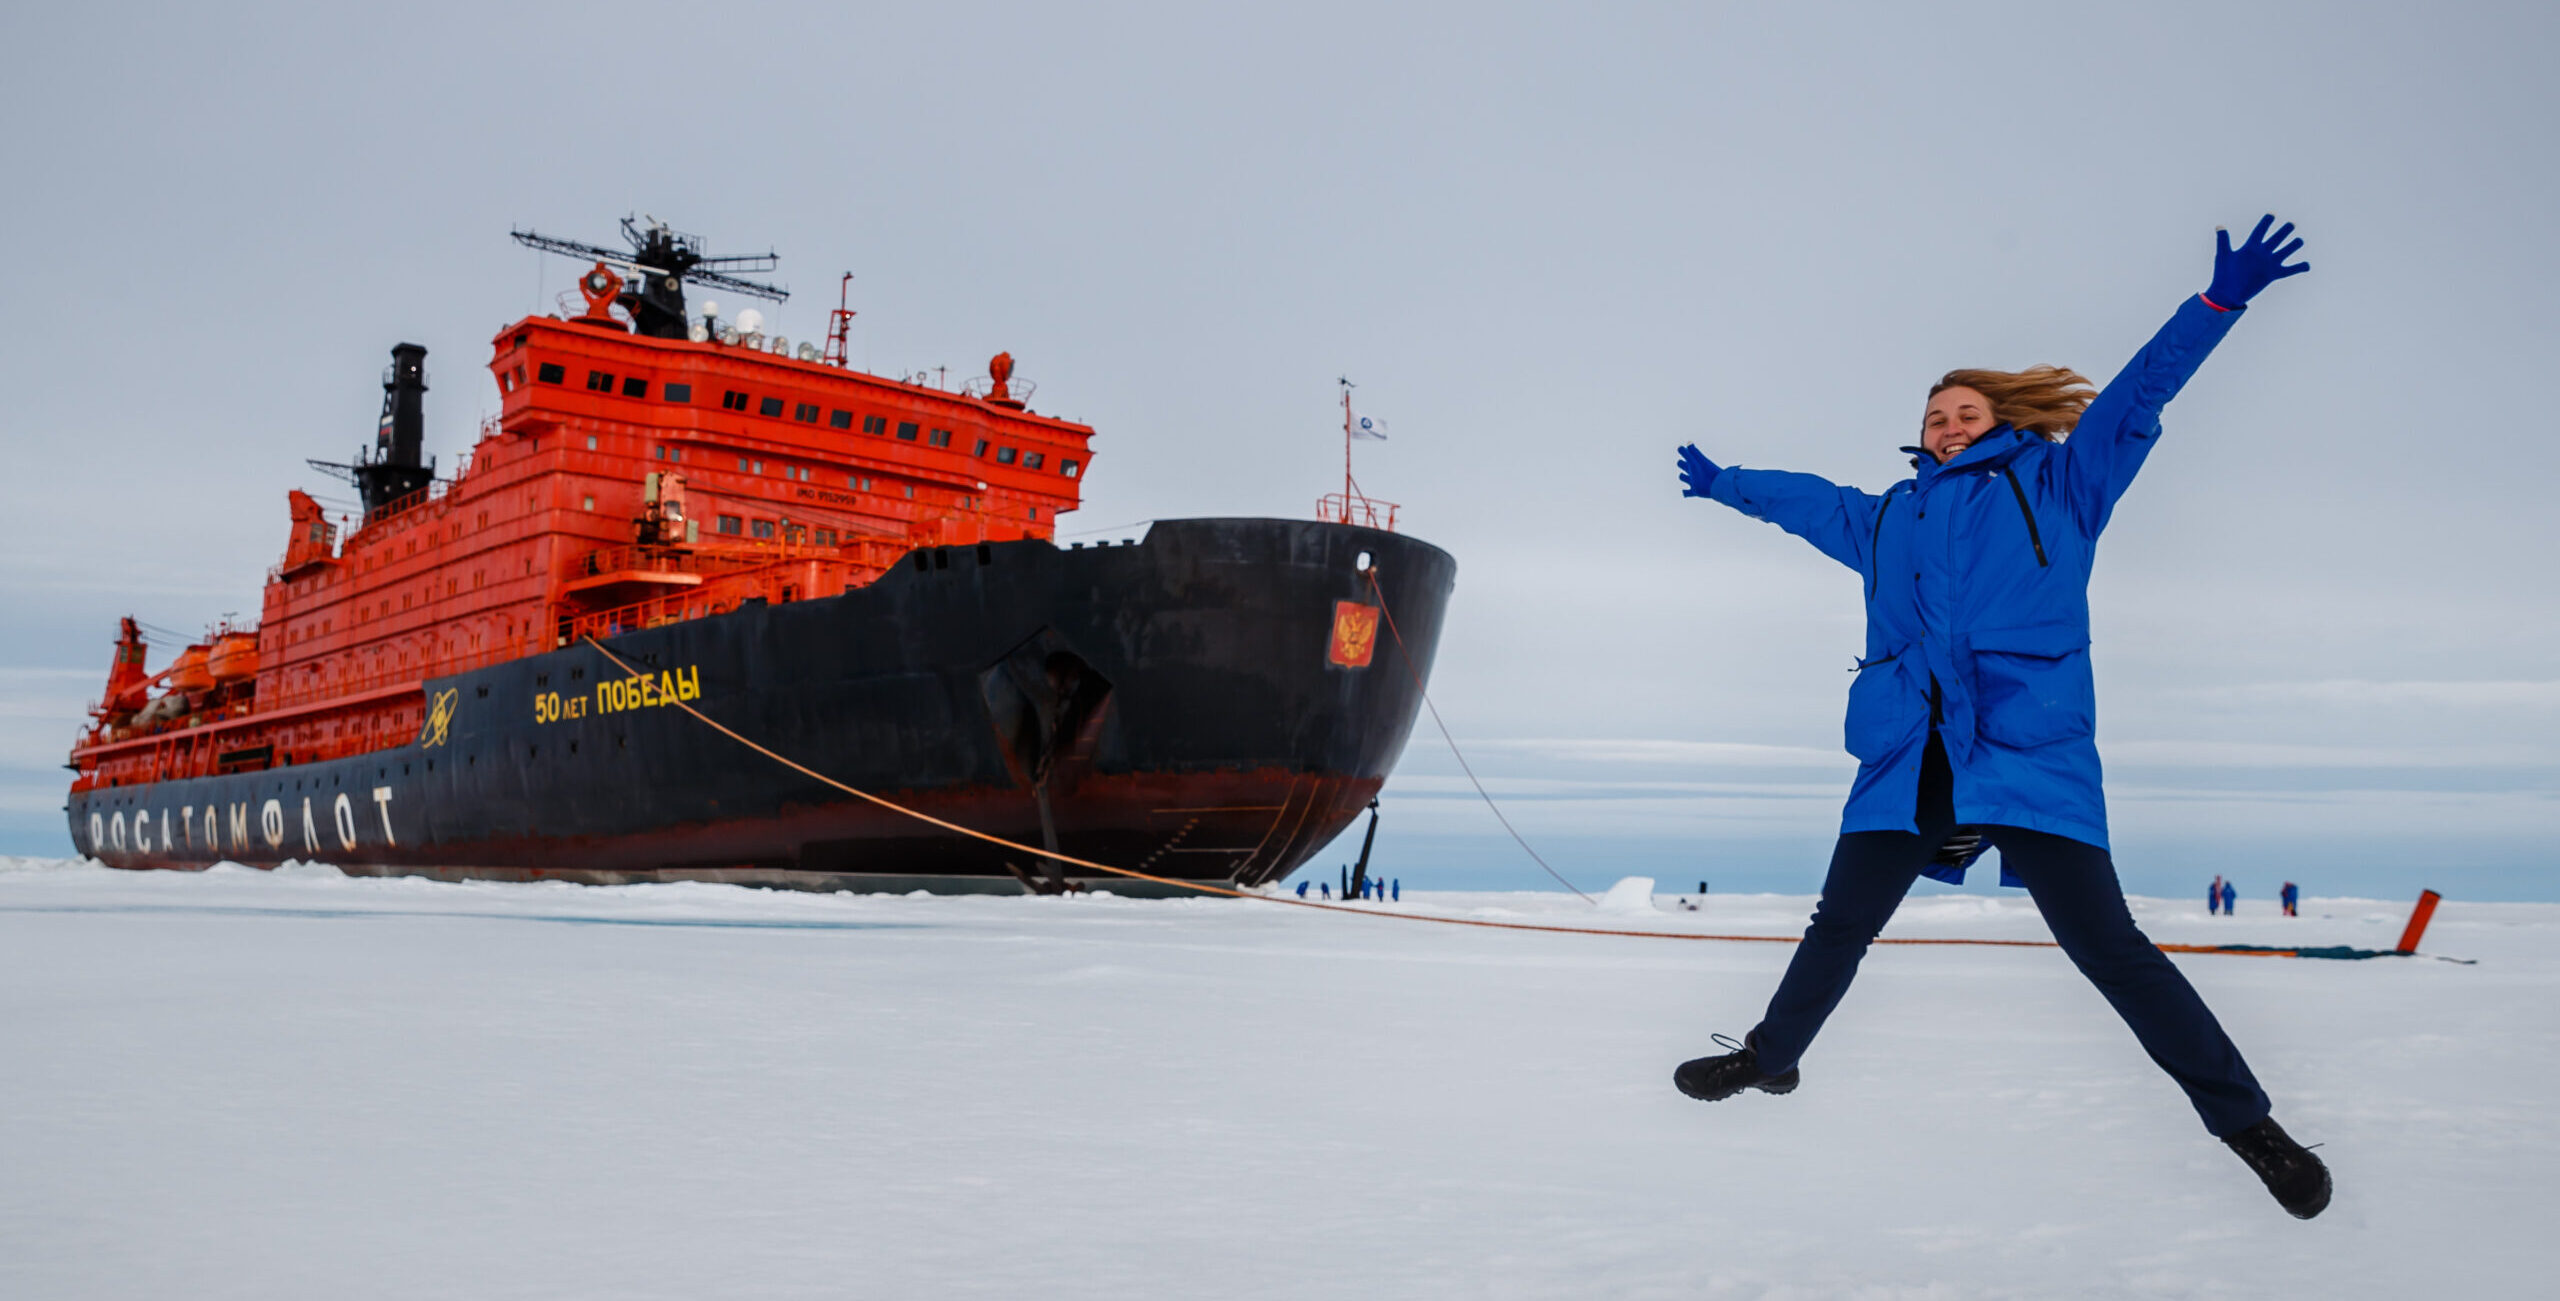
(645, 469)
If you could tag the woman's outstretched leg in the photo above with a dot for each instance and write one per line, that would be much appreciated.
(2075, 887)
(1870, 873)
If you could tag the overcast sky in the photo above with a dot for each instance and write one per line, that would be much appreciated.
(1550, 245)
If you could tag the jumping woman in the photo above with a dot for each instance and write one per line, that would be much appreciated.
(1973, 714)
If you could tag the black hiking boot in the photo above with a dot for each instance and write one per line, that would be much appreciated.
(2297, 1178)
(1713, 1079)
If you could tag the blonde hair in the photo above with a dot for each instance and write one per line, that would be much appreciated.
(2043, 400)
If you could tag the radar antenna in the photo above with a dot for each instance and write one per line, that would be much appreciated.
(661, 262)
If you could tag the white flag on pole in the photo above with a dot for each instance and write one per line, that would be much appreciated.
(1369, 427)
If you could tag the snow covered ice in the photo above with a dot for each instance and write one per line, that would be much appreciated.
(295, 1084)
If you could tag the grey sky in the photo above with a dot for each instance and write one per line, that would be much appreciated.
(1550, 245)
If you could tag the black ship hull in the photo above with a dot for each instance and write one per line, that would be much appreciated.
(1188, 707)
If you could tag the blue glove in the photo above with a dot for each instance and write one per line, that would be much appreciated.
(1697, 473)
(2239, 274)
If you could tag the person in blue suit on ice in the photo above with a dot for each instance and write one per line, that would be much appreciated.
(1974, 711)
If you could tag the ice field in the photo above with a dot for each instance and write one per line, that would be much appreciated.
(293, 1084)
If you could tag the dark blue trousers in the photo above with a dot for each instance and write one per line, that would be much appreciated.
(2075, 887)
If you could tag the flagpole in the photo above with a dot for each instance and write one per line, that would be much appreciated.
(1346, 450)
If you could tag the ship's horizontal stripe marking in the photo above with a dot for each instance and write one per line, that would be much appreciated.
(336, 914)
(270, 716)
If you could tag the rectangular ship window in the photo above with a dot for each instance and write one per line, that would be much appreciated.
(730, 524)
(599, 382)
(769, 407)
(826, 538)
(875, 424)
(742, 465)
(1032, 460)
(806, 413)
(550, 373)
(635, 388)
(676, 392)
(764, 528)
(733, 400)
(940, 438)
(1005, 455)
(1068, 468)
(907, 430)
(983, 445)
(840, 419)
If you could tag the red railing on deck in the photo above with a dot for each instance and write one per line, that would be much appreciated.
(1344, 508)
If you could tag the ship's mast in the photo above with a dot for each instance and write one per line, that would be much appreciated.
(1347, 490)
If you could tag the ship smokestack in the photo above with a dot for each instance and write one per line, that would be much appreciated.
(397, 468)
(404, 412)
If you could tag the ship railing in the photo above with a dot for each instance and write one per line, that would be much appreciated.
(1364, 512)
(619, 559)
(306, 684)
(859, 561)
(656, 612)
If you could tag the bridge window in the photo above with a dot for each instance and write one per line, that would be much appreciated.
(1032, 460)
(907, 430)
(730, 524)
(983, 445)
(676, 392)
(1005, 455)
(1068, 468)
(806, 413)
(733, 400)
(635, 388)
(550, 373)
(770, 407)
(826, 537)
(875, 424)
(840, 419)
(764, 528)
(940, 438)
(599, 382)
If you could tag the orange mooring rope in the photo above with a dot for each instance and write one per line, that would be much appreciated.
(895, 807)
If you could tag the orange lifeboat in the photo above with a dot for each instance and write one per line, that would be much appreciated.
(189, 672)
(234, 658)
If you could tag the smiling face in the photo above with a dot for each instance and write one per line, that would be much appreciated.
(1956, 418)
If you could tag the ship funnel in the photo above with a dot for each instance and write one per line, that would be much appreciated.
(397, 466)
(404, 415)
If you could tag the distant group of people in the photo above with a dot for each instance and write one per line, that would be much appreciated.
(1388, 890)
(2222, 897)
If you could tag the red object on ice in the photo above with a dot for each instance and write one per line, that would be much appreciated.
(2418, 919)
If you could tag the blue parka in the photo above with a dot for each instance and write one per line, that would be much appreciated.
(1976, 577)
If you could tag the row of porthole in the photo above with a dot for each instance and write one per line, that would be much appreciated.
(773, 408)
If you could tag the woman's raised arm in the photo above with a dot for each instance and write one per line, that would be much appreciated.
(2116, 433)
